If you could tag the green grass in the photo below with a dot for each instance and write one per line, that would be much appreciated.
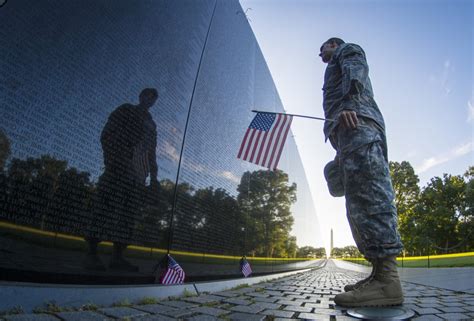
(188, 294)
(439, 262)
(81, 246)
(52, 307)
(122, 304)
(240, 286)
(89, 307)
(423, 263)
(147, 300)
(15, 310)
(43, 240)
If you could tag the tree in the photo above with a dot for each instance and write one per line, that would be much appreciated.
(320, 252)
(442, 210)
(346, 251)
(351, 251)
(32, 184)
(153, 229)
(407, 192)
(45, 193)
(290, 249)
(466, 227)
(221, 222)
(70, 206)
(309, 251)
(337, 252)
(265, 198)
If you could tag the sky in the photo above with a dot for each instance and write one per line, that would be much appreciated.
(420, 55)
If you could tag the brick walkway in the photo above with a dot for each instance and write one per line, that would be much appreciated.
(303, 296)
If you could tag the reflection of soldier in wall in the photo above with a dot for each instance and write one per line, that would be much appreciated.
(129, 146)
(4, 149)
(4, 154)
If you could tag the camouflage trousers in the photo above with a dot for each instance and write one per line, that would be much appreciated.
(369, 193)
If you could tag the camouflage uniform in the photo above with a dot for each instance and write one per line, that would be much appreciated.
(361, 154)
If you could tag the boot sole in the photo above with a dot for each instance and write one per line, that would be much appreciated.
(374, 303)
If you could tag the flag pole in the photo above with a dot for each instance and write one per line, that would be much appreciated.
(303, 116)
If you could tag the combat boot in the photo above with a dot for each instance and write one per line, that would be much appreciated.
(350, 287)
(384, 289)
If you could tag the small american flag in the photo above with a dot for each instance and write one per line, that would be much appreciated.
(245, 267)
(264, 140)
(173, 274)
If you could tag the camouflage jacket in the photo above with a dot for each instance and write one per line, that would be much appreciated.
(347, 87)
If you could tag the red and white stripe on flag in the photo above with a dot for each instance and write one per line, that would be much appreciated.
(246, 269)
(173, 274)
(264, 139)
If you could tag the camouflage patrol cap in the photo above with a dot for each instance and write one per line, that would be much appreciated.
(333, 177)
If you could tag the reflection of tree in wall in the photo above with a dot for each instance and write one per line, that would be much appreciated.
(258, 222)
(291, 248)
(70, 204)
(265, 198)
(153, 227)
(220, 220)
(207, 220)
(44, 193)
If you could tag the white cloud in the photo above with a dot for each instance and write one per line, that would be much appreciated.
(470, 111)
(430, 162)
(447, 70)
(442, 78)
(446, 157)
(171, 151)
(195, 167)
(230, 176)
(463, 149)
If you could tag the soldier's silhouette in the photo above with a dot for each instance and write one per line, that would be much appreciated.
(129, 149)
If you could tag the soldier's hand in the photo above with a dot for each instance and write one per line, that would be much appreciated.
(348, 119)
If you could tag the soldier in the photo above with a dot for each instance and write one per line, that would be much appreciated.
(360, 172)
(129, 147)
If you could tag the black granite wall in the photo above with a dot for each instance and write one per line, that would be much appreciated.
(99, 178)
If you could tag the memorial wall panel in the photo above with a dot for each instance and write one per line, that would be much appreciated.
(214, 215)
(96, 100)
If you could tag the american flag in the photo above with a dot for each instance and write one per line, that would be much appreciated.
(173, 274)
(245, 267)
(264, 140)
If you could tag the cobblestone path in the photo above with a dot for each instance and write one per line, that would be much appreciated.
(306, 295)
